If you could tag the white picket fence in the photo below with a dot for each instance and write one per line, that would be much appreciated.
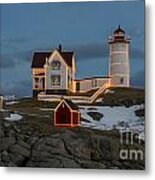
(75, 99)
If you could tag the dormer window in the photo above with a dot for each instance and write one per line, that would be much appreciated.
(55, 65)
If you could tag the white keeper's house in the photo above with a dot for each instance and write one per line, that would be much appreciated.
(54, 73)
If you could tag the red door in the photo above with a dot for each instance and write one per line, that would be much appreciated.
(63, 115)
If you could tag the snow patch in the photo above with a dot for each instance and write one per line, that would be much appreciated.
(11, 102)
(9, 97)
(109, 91)
(14, 117)
(117, 117)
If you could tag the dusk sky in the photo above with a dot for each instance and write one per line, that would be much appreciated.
(80, 27)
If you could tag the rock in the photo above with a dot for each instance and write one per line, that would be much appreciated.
(1, 132)
(32, 140)
(11, 164)
(100, 148)
(64, 148)
(117, 163)
(23, 144)
(92, 165)
(46, 163)
(95, 115)
(16, 128)
(40, 155)
(105, 150)
(4, 156)
(52, 144)
(17, 159)
(18, 149)
(76, 146)
(69, 163)
(6, 142)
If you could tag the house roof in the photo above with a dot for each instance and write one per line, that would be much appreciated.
(39, 58)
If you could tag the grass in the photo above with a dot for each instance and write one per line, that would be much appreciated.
(31, 106)
(123, 96)
(35, 120)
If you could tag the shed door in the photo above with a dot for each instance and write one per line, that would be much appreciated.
(63, 115)
(65, 119)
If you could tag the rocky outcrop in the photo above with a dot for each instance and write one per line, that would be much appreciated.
(60, 148)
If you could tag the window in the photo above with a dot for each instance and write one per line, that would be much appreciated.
(122, 80)
(78, 86)
(55, 79)
(37, 80)
(94, 83)
(55, 65)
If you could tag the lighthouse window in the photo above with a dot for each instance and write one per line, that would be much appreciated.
(121, 80)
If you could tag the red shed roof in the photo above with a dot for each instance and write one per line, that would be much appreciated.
(69, 103)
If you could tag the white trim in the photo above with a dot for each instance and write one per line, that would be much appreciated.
(50, 59)
(66, 105)
(79, 119)
(54, 117)
(91, 78)
(126, 75)
(118, 52)
(72, 119)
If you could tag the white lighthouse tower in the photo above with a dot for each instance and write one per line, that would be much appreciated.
(119, 67)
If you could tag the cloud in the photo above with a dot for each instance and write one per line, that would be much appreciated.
(7, 61)
(138, 79)
(13, 59)
(137, 54)
(15, 40)
(90, 50)
(101, 50)
(24, 55)
(136, 33)
(19, 88)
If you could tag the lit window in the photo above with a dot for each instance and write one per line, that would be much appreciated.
(55, 65)
(55, 79)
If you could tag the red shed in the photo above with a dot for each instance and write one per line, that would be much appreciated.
(67, 114)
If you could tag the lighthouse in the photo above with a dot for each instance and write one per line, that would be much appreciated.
(119, 66)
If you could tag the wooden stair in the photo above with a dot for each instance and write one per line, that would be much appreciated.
(98, 92)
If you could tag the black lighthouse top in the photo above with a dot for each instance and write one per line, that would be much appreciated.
(119, 35)
(119, 30)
